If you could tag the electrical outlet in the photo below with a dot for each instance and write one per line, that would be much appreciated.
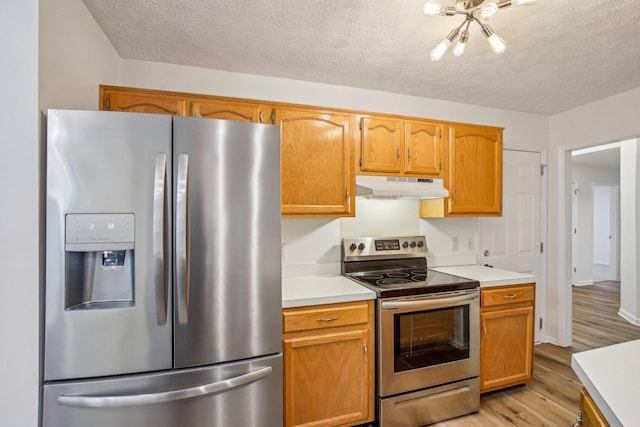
(283, 251)
(470, 245)
(454, 244)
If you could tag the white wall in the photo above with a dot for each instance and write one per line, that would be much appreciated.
(75, 56)
(611, 119)
(585, 177)
(19, 249)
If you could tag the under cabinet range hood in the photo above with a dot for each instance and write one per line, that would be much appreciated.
(392, 187)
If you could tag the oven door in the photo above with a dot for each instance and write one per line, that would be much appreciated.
(428, 340)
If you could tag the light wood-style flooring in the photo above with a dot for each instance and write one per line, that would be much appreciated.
(551, 398)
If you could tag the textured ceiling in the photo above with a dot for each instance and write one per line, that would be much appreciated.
(560, 53)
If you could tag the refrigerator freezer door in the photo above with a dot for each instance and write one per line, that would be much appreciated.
(235, 394)
(227, 233)
(107, 306)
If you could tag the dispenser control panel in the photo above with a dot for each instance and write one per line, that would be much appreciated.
(99, 228)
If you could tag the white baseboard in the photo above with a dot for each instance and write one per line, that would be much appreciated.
(583, 283)
(629, 317)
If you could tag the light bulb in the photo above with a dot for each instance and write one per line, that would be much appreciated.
(497, 44)
(442, 47)
(522, 2)
(432, 8)
(439, 50)
(487, 11)
(459, 48)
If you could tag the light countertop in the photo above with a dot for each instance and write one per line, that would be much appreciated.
(487, 276)
(611, 375)
(314, 290)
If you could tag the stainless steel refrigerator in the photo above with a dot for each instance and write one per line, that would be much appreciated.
(162, 291)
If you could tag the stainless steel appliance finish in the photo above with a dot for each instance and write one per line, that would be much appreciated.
(428, 340)
(162, 252)
(234, 394)
(427, 325)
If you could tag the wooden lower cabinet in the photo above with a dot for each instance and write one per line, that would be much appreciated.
(329, 365)
(506, 336)
(590, 415)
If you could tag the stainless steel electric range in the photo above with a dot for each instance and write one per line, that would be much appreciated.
(427, 330)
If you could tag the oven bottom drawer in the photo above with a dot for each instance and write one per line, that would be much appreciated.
(430, 405)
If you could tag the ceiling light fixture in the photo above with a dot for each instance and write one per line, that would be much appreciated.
(480, 11)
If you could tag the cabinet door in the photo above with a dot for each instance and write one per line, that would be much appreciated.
(506, 347)
(423, 148)
(381, 145)
(327, 379)
(141, 101)
(475, 170)
(591, 415)
(229, 110)
(316, 163)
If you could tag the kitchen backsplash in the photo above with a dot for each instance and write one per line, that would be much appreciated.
(316, 242)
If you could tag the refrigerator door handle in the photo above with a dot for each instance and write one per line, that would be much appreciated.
(159, 247)
(182, 239)
(167, 396)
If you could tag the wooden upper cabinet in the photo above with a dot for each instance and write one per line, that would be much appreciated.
(473, 174)
(423, 148)
(475, 170)
(141, 101)
(381, 144)
(398, 147)
(229, 110)
(316, 175)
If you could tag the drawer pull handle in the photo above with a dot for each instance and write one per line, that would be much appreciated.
(327, 319)
(510, 296)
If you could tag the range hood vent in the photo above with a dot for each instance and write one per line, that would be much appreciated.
(392, 187)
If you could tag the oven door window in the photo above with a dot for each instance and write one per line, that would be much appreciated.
(433, 337)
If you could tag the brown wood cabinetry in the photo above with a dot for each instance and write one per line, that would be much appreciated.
(114, 98)
(474, 176)
(401, 147)
(317, 178)
(590, 415)
(329, 364)
(317, 145)
(506, 336)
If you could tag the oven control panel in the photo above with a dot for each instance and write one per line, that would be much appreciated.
(384, 247)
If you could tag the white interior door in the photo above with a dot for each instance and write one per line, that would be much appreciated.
(513, 241)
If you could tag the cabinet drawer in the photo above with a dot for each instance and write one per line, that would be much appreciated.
(324, 316)
(506, 295)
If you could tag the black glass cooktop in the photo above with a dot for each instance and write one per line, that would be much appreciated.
(411, 281)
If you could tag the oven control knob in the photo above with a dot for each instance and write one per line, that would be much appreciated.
(352, 247)
(420, 243)
(413, 244)
(361, 246)
(405, 245)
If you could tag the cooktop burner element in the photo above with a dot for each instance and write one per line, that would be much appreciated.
(396, 266)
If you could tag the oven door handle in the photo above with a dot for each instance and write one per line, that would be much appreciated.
(427, 303)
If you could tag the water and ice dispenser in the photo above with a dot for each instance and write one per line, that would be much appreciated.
(99, 252)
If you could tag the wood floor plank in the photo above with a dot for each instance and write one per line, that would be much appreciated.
(551, 398)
